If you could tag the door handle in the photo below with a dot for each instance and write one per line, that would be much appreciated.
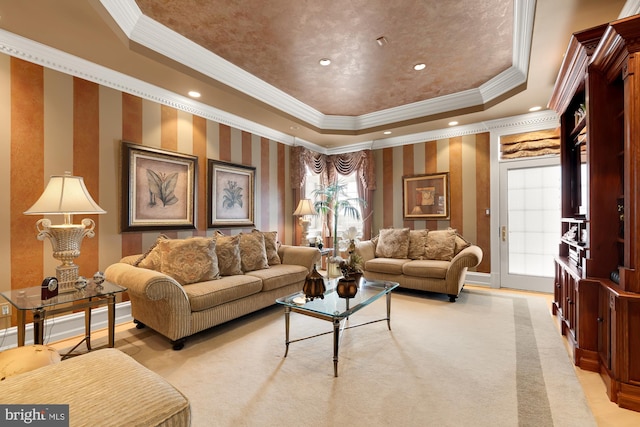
(503, 233)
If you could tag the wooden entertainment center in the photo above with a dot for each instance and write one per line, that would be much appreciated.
(597, 279)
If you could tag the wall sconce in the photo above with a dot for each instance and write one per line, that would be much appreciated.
(305, 208)
(65, 195)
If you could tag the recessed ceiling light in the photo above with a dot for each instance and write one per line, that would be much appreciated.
(387, 132)
(453, 123)
(194, 94)
(419, 67)
(536, 108)
(325, 61)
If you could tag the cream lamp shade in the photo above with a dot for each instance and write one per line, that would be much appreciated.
(305, 207)
(65, 195)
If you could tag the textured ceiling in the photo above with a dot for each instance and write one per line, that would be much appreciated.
(457, 44)
(463, 44)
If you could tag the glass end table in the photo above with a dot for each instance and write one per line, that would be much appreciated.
(29, 299)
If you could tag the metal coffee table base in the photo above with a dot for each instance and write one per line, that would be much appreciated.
(336, 328)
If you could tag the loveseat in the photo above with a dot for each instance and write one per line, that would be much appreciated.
(183, 286)
(102, 388)
(427, 260)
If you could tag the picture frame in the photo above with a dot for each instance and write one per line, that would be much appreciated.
(158, 189)
(426, 196)
(231, 194)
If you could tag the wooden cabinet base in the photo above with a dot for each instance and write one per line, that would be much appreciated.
(629, 396)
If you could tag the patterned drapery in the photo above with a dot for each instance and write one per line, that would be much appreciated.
(329, 166)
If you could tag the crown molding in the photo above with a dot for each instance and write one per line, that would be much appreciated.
(509, 125)
(38, 53)
(151, 34)
(630, 8)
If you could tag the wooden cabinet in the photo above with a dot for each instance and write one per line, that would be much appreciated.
(597, 294)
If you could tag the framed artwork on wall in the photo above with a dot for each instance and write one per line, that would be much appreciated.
(158, 189)
(426, 196)
(230, 188)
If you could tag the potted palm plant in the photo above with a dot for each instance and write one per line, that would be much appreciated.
(332, 201)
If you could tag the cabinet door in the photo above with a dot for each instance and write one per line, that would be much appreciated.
(604, 328)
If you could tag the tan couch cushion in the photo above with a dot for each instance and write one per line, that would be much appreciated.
(151, 259)
(461, 243)
(385, 265)
(417, 243)
(204, 295)
(253, 255)
(426, 268)
(270, 246)
(189, 260)
(393, 243)
(280, 275)
(228, 251)
(440, 245)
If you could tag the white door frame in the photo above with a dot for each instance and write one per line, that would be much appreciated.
(519, 281)
(530, 122)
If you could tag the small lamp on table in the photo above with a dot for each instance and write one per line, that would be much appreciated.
(65, 195)
(304, 209)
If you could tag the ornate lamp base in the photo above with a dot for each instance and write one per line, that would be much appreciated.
(65, 241)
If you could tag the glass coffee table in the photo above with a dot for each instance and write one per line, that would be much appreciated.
(336, 309)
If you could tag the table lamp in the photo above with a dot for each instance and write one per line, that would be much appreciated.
(65, 195)
(305, 207)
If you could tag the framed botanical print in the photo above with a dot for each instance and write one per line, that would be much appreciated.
(231, 198)
(426, 196)
(158, 189)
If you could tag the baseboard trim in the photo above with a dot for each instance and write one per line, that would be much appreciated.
(67, 326)
(475, 278)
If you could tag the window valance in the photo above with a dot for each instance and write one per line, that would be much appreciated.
(328, 166)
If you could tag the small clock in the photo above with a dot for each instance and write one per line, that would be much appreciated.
(49, 288)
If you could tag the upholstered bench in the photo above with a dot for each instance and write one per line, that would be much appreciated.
(103, 387)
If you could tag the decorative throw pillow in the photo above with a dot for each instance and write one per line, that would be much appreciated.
(393, 243)
(228, 251)
(151, 259)
(189, 260)
(441, 245)
(253, 255)
(461, 243)
(270, 245)
(417, 242)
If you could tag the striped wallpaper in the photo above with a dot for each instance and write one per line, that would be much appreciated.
(466, 159)
(51, 122)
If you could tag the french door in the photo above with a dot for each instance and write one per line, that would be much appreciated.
(529, 223)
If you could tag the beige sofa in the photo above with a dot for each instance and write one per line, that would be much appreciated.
(435, 261)
(163, 299)
(102, 388)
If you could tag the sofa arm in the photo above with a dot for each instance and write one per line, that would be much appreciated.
(366, 249)
(306, 256)
(144, 283)
(469, 257)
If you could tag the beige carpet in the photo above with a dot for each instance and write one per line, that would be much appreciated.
(490, 359)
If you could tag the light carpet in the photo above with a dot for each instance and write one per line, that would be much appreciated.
(489, 359)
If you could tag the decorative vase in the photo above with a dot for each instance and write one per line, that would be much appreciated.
(347, 287)
(314, 285)
(357, 275)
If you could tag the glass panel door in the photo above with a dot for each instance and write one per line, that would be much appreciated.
(530, 223)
